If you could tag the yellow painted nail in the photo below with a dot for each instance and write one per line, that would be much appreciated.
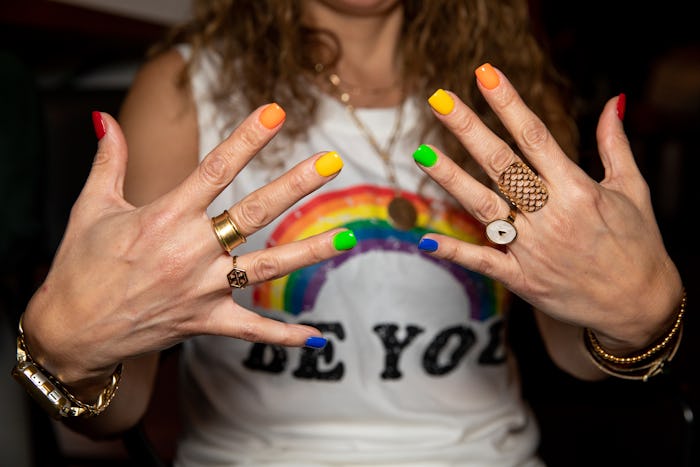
(328, 164)
(441, 102)
(272, 115)
(487, 76)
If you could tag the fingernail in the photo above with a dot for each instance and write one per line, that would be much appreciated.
(441, 102)
(344, 240)
(425, 156)
(328, 164)
(272, 115)
(315, 342)
(99, 125)
(487, 76)
(427, 244)
(621, 105)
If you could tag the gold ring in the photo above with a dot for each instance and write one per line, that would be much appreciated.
(502, 231)
(523, 187)
(237, 278)
(227, 232)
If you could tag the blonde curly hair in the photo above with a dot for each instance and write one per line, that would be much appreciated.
(266, 50)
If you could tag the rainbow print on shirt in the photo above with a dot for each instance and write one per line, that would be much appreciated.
(363, 210)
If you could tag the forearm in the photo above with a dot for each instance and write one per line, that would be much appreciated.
(564, 344)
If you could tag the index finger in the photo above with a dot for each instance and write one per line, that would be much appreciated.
(531, 135)
(225, 161)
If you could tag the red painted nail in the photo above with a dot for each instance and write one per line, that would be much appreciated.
(99, 125)
(621, 104)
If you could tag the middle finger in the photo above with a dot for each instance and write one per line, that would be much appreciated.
(260, 207)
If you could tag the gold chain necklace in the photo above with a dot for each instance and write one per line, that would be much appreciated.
(401, 212)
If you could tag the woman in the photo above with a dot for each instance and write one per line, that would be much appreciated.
(416, 370)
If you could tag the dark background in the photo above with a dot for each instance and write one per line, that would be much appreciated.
(649, 51)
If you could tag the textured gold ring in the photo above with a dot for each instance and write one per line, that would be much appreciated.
(502, 231)
(237, 278)
(523, 187)
(227, 231)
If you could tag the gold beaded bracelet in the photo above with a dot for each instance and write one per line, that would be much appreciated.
(51, 394)
(645, 364)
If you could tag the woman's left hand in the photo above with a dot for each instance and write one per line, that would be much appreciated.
(592, 256)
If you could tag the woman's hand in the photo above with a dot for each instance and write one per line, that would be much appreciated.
(128, 281)
(592, 255)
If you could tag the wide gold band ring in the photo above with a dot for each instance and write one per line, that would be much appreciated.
(523, 187)
(227, 232)
(237, 278)
(502, 231)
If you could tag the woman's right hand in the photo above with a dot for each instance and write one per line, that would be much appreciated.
(128, 281)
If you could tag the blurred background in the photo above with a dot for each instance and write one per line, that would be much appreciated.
(59, 60)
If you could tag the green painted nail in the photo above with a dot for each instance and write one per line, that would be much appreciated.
(344, 240)
(425, 156)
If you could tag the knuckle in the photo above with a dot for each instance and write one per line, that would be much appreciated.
(296, 183)
(534, 134)
(501, 158)
(253, 212)
(267, 268)
(466, 123)
(448, 178)
(484, 266)
(249, 331)
(246, 139)
(213, 169)
(487, 208)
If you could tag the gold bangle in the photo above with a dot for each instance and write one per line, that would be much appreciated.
(50, 392)
(646, 354)
(645, 364)
(637, 371)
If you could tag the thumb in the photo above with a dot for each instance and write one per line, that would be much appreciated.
(106, 177)
(614, 147)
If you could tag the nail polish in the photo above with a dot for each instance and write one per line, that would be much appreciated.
(328, 164)
(425, 156)
(344, 240)
(427, 244)
(442, 102)
(315, 342)
(272, 115)
(621, 106)
(99, 124)
(487, 76)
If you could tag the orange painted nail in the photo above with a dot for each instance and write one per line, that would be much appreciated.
(487, 76)
(272, 115)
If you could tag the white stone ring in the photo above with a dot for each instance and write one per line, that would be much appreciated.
(502, 231)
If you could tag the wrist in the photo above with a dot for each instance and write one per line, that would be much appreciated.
(651, 317)
(52, 394)
(644, 363)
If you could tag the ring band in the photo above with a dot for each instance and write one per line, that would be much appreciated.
(502, 231)
(237, 278)
(523, 187)
(227, 232)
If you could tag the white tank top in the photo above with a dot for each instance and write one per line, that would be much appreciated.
(415, 372)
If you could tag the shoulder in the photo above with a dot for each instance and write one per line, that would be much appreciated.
(159, 120)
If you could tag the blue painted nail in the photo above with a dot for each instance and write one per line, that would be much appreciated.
(427, 244)
(316, 342)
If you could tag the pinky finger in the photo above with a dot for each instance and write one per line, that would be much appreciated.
(268, 264)
(486, 260)
(250, 326)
